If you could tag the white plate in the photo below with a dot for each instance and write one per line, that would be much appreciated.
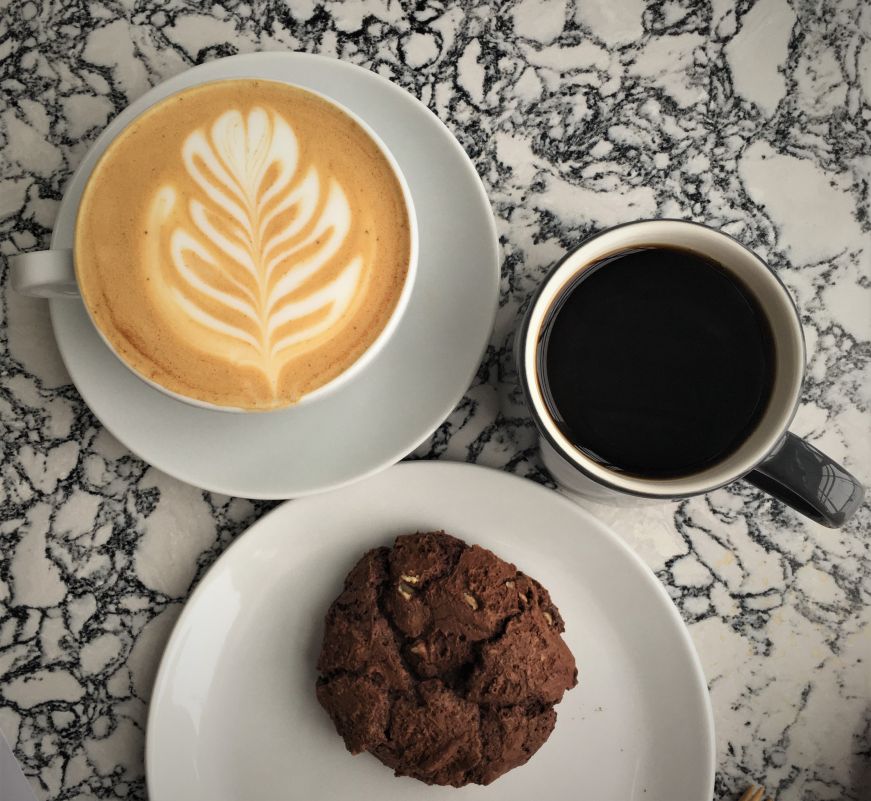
(411, 386)
(233, 712)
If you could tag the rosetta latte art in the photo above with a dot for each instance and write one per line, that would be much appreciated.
(242, 264)
(244, 243)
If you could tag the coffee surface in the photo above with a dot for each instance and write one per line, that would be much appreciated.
(656, 362)
(242, 243)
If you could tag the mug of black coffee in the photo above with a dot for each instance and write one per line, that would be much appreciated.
(663, 359)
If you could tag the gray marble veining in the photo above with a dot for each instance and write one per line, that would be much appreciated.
(750, 115)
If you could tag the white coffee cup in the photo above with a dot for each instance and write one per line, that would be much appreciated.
(51, 273)
(771, 458)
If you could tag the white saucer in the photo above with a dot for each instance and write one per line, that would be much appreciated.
(389, 409)
(233, 711)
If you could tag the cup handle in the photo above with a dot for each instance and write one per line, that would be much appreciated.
(44, 274)
(802, 477)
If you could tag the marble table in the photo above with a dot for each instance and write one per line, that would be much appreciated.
(750, 116)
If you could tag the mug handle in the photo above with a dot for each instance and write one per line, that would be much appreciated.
(807, 480)
(44, 274)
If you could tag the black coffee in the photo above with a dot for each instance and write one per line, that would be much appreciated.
(656, 362)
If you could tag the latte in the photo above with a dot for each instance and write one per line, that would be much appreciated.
(243, 243)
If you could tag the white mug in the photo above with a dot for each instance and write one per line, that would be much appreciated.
(51, 273)
(770, 457)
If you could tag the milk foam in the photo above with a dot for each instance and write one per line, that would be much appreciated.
(245, 255)
(243, 243)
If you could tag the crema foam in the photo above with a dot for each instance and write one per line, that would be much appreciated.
(242, 243)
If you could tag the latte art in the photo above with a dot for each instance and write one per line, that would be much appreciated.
(243, 243)
(260, 233)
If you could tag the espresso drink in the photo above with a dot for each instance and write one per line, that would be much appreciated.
(242, 243)
(656, 362)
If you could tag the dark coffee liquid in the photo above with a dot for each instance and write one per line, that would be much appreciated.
(656, 362)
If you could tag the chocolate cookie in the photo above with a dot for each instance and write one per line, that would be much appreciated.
(443, 661)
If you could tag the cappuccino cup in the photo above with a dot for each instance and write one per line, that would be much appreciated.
(663, 359)
(241, 245)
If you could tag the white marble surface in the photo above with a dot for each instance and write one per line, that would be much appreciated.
(750, 116)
